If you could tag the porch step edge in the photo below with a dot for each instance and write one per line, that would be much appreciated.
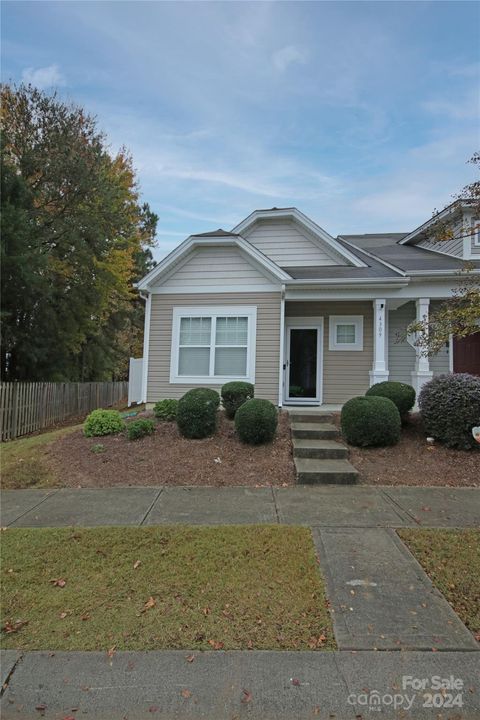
(319, 448)
(314, 471)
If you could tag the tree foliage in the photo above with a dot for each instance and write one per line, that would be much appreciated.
(75, 237)
(459, 315)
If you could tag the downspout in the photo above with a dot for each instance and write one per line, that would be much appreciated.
(146, 342)
(282, 342)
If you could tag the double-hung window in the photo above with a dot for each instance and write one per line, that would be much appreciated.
(213, 344)
(346, 332)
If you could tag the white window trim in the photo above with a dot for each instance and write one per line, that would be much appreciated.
(335, 320)
(476, 233)
(213, 312)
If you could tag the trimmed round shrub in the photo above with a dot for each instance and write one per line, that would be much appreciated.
(166, 410)
(197, 413)
(401, 394)
(256, 421)
(103, 422)
(371, 421)
(450, 408)
(140, 428)
(235, 394)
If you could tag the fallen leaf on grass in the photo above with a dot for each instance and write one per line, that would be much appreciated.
(151, 602)
(14, 627)
(63, 615)
(186, 694)
(58, 582)
(111, 652)
(216, 645)
(137, 564)
(246, 696)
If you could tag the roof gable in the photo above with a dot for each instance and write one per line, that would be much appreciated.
(291, 239)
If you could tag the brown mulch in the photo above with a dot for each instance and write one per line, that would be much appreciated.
(415, 462)
(166, 458)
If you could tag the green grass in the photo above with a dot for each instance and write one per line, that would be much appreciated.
(23, 462)
(451, 558)
(213, 587)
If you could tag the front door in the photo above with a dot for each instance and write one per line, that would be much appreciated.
(302, 371)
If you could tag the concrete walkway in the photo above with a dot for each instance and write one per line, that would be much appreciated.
(328, 506)
(236, 685)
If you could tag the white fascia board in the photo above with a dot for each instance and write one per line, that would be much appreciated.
(302, 219)
(375, 257)
(439, 274)
(450, 210)
(341, 282)
(192, 242)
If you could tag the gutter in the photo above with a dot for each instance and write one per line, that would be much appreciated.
(340, 282)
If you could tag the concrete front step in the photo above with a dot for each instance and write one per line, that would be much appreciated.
(312, 430)
(311, 471)
(305, 416)
(322, 449)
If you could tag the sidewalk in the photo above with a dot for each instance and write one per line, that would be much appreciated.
(235, 685)
(322, 506)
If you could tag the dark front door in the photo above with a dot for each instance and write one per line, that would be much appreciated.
(466, 354)
(302, 371)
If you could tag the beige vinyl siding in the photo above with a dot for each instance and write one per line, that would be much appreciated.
(401, 355)
(289, 246)
(211, 267)
(267, 345)
(345, 372)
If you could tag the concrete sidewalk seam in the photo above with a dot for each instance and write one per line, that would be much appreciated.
(152, 505)
(275, 505)
(6, 682)
(396, 504)
(50, 494)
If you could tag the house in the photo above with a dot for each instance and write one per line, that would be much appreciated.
(308, 318)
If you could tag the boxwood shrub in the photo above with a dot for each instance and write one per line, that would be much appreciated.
(235, 394)
(103, 422)
(166, 410)
(256, 421)
(197, 413)
(371, 421)
(137, 429)
(401, 394)
(450, 408)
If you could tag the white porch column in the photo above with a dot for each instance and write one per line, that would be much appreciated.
(422, 373)
(379, 371)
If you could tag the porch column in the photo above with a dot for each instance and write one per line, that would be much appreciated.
(379, 371)
(422, 373)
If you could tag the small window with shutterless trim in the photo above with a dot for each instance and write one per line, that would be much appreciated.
(345, 332)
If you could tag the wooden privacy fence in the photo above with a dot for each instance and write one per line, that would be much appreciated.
(29, 406)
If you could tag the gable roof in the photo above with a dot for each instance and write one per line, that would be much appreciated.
(268, 267)
(318, 234)
(448, 213)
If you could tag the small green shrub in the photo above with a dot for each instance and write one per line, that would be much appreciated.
(197, 413)
(256, 421)
(450, 408)
(98, 448)
(235, 394)
(371, 421)
(140, 428)
(401, 394)
(103, 422)
(166, 410)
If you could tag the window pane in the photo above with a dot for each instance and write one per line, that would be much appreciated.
(193, 361)
(232, 331)
(195, 330)
(345, 334)
(231, 362)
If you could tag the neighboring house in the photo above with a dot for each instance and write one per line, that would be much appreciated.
(307, 318)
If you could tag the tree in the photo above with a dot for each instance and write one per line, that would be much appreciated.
(75, 236)
(459, 315)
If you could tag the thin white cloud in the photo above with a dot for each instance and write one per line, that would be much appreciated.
(43, 78)
(287, 55)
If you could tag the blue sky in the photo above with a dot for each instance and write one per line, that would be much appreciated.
(361, 114)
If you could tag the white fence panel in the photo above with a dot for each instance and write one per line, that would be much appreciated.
(135, 381)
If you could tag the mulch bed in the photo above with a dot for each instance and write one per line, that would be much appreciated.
(166, 458)
(415, 462)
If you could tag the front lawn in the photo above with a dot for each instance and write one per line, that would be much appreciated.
(199, 588)
(451, 558)
(73, 460)
(413, 461)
